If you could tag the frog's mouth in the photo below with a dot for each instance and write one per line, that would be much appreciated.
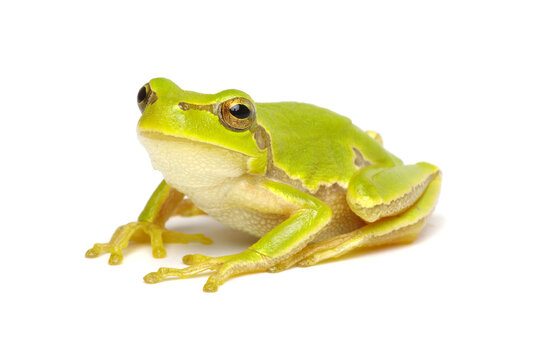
(187, 163)
(160, 136)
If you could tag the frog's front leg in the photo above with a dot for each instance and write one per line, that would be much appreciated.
(306, 218)
(394, 201)
(164, 203)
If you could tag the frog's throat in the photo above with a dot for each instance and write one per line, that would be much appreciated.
(187, 163)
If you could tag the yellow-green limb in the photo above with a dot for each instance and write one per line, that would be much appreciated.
(283, 241)
(164, 203)
(399, 229)
(161, 205)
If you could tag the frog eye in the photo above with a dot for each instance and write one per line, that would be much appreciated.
(237, 114)
(143, 97)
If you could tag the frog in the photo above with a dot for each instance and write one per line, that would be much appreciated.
(307, 183)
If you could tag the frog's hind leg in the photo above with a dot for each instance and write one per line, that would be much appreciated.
(399, 229)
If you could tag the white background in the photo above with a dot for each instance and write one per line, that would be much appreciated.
(455, 83)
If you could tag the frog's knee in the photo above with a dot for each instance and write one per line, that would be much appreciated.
(375, 192)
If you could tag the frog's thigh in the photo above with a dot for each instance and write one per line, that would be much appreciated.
(376, 192)
(400, 229)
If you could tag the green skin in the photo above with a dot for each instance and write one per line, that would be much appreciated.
(280, 179)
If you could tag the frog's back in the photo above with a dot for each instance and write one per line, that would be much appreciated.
(317, 146)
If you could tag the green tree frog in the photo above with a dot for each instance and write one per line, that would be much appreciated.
(304, 180)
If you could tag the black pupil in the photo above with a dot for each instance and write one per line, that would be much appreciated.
(142, 94)
(240, 111)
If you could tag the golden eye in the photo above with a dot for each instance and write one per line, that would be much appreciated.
(237, 114)
(143, 97)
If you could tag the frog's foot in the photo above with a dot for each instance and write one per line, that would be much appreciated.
(223, 268)
(141, 231)
(366, 237)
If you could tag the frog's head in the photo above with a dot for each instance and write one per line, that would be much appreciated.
(198, 139)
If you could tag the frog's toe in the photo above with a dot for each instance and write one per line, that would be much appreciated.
(224, 267)
(118, 242)
(210, 285)
(202, 239)
(159, 252)
(163, 273)
(116, 253)
(152, 278)
(92, 253)
(142, 231)
(195, 259)
(243, 263)
(115, 259)
(97, 249)
(170, 236)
